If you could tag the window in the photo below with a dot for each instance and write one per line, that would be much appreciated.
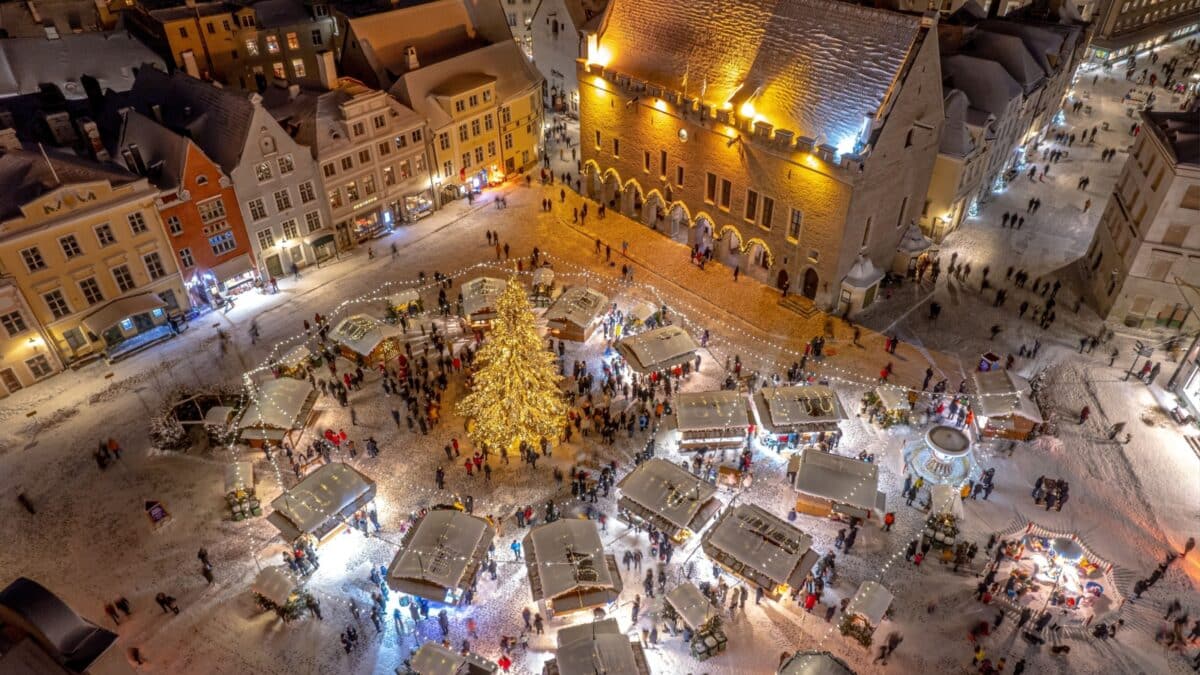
(358, 129)
(183, 32)
(814, 255)
(185, 257)
(710, 188)
(379, 121)
(14, 323)
(508, 142)
(368, 185)
(347, 163)
(57, 303)
(646, 161)
(768, 212)
(448, 168)
(679, 176)
(329, 169)
(104, 234)
(487, 96)
(11, 381)
(263, 171)
(91, 291)
(290, 231)
(307, 193)
(751, 205)
(212, 28)
(475, 126)
(266, 239)
(211, 210)
(286, 165)
(33, 259)
(662, 164)
(491, 148)
(251, 48)
(462, 132)
(1191, 198)
(123, 277)
(908, 139)
(866, 232)
(257, 210)
(137, 223)
(293, 41)
(283, 200)
(351, 192)
(474, 100)
(39, 365)
(272, 44)
(278, 71)
(794, 222)
(405, 171)
(506, 117)
(726, 193)
(225, 25)
(316, 37)
(401, 141)
(312, 220)
(223, 242)
(70, 246)
(616, 147)
(385, 149)
(416, 136)
(389, 176)
(487, 122)
(460, 106)
(364, 156)
(466, 160)
(335, 198)
(444, 141)
(420, 163)
(154, 266)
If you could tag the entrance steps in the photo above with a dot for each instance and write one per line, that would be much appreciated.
(800, 305)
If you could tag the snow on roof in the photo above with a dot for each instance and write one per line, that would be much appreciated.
(781, 407)
(278, 404)
(1001, 393)
(275, 584)
(986, 83)
(543, 276)
(434, 659)
(404, 298)
(914, 240)
(757, 539)
(956, 139)
(871, 601)
(816, 67)
(893, 397)
(26, 176)
(443, 549)
(26, 63)
(863, 273)
(666, 490)
(76, 642)
(702, 410)
(841, 479)
(642, 311)
(946, 499)
(659, 348)
(579, 305)
(315, 118)
(1010, 52)
(565, 556)
(361, 334)
(480, 295)
(295, 356)
(597, 647)
(322, 494)
(1044, 45)
(160, 148)
(695, 609)
(815, 663)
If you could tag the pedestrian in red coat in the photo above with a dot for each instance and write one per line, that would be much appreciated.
(810, 601)
(470, 466)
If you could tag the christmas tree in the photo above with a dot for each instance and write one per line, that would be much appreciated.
(515, 392)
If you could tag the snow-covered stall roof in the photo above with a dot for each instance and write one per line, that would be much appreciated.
(669, 497)
(1000, 393)
(841, 479)
(239, 476)
(946, 499)
(656, 349)
(597, 647)
(543, 276)
(73, 640)
(693, 607)
(404, 298)
(814, 663)
(361, 334)
(279, 404)
(325, 494)
(642, 311)
(442, 551)
(579, 305)
(275, 584)
(781, 408)
(761, 546)
(703, 410)
(893, 398)
(566, 557)
(863, 273)
(434, 659)
(296, 356)
(480, 294)
(871, 601)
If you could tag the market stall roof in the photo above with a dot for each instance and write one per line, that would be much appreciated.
(233, 267)
(323, 494)
(543, 276)
(914, 240)
(579, 305)
(642, 311)
(893, 398)
(434, 659)
(120, 309)
(1000, 393)
(280, 404)
(670, 495)
(695, 609)
(871, 601)
(219, 416)
(565, 556)
(946, 499)
(748, 536)
(361, 334)
(481, 294)
(597, 647)
(295, 356)
(842, 479)
(239, 475)
(704, 410)
(403, 298)
(443, 549)
(275, 584)
(779, 408)
(814, 663)
(657, 349)
(73, 640)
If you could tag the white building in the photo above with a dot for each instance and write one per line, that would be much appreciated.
(558, 35)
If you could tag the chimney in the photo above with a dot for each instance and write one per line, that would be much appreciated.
(410, 57)
(327, 70)
(91, 138)
(8, 140)
(133, 159)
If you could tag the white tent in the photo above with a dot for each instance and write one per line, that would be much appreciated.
(693, 607)
(1002, 393)
(946, 499)
(278, 406)
(361, 334)
(321, 502)
(657, 349)
(871, 602)
(893, 398)
(275, 584)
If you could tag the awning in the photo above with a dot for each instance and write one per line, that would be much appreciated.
(232, 268)
(275, 584)
(118, 310)
(320, 239)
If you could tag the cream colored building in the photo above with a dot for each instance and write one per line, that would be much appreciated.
(1147, 244)
(25, 357)
(84, 243)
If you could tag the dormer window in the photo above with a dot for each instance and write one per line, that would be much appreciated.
(201, 180)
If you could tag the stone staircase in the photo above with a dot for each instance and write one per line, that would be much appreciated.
(800, 305)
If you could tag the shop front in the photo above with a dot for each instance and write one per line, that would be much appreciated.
(416, 206)
(370, 225)
(233, 276)
(129, 324)
(324, 246)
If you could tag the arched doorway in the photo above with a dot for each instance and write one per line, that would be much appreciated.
(652, 213)
(612, 188)
(631, 201)
(678, 222)
(810, 284)
(728, 249)
(781, 279)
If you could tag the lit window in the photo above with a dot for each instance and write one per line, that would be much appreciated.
(335, 198)
(293, 41)
(351, 192)
(286, 165)
(298, 67)
(263, 171)
(389, 176)
(223, 242)
(252, 47)
(278, 71)
(272, 44)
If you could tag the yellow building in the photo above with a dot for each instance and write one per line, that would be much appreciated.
(84, 244)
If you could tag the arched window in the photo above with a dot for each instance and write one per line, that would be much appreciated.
(266, 144)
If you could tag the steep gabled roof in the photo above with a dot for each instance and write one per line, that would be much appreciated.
(956, 140)
(26, 176)
(159, 147)
(1044, 45)
(1010, 52)
(817, 67)
(986, 83)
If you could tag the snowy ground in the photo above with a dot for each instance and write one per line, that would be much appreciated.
(90, 541)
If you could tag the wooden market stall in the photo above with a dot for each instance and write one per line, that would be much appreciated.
(889, 404)
(479, 301)
(761, 548)
(834, 486)
(543, 290)
(1003, 405)
(320, 504)
(711, 419)
(698, 613)
(568, 568)
(277, 589)
(279, 410)
(596, 647)
(441, 555)
(657, 349)
(666, 496)
(576, 313)
(406, 302)
(814, 663)
(368, 338)
(798, 415)
(867, 609)
(434, 659)
(294, 363)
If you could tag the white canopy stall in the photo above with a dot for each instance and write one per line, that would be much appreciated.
(366, 337)
(441, 555)
(671, 499)
(278, 410)
(576, 313)
(711, 419)
(275, 584)
(761, 548)
(1003, 405)
(568, 568)
(657, 349)
(691, 605)
(479, 300)
(832, 485)
(870, 603)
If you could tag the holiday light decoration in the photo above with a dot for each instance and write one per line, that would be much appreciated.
(515, 394)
